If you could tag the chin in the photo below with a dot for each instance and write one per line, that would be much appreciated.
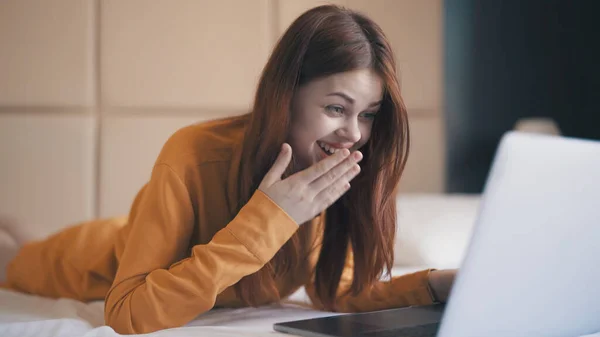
(309, 158)
(302, 163)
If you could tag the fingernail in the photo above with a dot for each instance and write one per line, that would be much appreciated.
(357, 155)
(345, 152)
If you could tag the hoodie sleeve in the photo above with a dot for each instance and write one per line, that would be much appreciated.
(157, 287)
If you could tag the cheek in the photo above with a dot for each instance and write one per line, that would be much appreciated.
(304, 122)
(316, 128)
(301, 137)
(365, 132)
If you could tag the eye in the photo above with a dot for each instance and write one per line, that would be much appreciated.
(369, 115)
(336, 109)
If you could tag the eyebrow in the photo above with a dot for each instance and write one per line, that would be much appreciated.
(350, 99)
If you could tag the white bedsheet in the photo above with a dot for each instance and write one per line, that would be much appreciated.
(24, 315)
(446, 216)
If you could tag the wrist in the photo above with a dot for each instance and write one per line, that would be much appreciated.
(432, 285)
(440, 282)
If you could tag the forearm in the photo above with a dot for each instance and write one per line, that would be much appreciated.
(400, 291)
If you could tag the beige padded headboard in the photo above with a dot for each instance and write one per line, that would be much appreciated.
(90, 90)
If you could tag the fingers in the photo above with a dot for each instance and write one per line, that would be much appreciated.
(349, 164)
(334, 190)
(314, 172)
(279, 166)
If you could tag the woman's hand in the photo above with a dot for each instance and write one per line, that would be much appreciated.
(441, 282)
(307, 193)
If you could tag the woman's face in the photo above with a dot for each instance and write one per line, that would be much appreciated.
(333, 113)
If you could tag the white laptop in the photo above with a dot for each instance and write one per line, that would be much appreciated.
(532, 267)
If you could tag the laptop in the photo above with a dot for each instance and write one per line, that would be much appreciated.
(532, 266)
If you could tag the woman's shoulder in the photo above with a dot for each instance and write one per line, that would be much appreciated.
(204, 142)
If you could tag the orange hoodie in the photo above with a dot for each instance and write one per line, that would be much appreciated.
(182, 248)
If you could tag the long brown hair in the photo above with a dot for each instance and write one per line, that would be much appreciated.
(323, 41)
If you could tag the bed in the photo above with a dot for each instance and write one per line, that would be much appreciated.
(424, 239)
(25, 315)
(433, 231)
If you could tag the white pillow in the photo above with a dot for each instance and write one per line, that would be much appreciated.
(434, 229)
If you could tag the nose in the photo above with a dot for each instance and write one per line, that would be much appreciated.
(350, 130)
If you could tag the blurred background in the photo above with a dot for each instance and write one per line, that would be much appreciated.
(91, 89)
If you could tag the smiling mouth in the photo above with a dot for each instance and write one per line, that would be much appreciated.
(327, 149)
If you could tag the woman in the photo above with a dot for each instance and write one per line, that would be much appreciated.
(245, 210)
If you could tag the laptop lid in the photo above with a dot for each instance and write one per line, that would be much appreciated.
(532, 267)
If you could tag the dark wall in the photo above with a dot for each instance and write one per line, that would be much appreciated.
(509, 59)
